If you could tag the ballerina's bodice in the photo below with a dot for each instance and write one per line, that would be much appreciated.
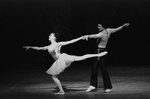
(54, 50)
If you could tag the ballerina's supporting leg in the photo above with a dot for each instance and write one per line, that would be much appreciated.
(79, 58)
(58, 83)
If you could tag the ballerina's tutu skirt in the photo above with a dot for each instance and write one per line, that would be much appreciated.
(60, 64)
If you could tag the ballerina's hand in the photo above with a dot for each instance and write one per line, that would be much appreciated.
(27, 47)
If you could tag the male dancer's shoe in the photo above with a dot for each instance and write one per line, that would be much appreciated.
(91, 88)
(108, 90)
(60, 93)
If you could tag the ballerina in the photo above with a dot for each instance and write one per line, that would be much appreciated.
(62, 60)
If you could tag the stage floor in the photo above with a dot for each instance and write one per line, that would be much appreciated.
(129, 82)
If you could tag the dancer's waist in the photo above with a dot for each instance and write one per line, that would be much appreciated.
(101, 49)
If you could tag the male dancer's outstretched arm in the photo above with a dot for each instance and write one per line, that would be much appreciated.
(112, 30)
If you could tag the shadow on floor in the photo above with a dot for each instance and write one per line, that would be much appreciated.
(128, 83)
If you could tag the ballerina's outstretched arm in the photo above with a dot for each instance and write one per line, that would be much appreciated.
(36, 48)
(72, 41)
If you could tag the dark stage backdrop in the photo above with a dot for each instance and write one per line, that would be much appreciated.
(29, 22)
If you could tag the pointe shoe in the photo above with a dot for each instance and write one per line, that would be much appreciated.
(91, 88)
(102, 53)
(108, 90)
(60, 93)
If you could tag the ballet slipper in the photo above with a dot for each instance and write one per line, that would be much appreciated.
(60, 93)
(91, 88)
(102, 53)
(108, 90)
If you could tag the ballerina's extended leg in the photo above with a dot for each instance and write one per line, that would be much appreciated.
(79, 58)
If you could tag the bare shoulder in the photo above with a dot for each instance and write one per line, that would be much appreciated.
(110, 30)
(60, 43)
(47, 47)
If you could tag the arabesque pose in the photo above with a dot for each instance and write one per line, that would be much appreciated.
(62, 60)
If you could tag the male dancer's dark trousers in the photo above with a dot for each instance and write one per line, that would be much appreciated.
(100, 62)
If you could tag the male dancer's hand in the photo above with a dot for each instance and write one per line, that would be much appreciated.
(126, 24)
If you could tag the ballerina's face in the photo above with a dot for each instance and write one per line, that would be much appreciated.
(52, 37)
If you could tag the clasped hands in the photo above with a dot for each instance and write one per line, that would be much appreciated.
(26, 47)
(85, 37)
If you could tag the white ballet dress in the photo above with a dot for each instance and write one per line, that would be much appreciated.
(61, 64)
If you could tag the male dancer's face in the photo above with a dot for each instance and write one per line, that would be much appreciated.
(100, 27)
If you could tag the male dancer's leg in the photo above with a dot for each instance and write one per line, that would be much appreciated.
(105, 74)
(94, 74)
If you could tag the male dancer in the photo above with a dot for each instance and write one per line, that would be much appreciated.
(102, 40)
